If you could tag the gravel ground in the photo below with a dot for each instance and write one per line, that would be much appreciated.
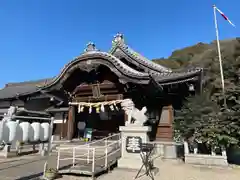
(172, 170)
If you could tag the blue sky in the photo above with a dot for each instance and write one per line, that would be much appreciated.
(37, 37)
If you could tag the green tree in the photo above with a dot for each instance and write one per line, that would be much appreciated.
(202, 119)
(197, 118)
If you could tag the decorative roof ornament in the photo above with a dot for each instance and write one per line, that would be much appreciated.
(90, 47)
(118, 38)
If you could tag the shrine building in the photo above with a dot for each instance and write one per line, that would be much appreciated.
(85, 94)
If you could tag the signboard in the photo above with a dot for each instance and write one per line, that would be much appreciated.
(88, 133)
(133, 144)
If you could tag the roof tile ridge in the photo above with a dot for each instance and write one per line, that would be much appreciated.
(127, 49)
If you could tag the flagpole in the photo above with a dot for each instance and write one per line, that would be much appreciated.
(219, 55)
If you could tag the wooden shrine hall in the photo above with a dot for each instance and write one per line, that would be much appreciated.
(98, 80)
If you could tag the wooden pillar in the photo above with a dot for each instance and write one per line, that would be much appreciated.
(71, 119)
(125, 116)
(164, 129)
(62, 125)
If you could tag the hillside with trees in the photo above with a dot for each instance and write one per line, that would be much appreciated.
(204, 117)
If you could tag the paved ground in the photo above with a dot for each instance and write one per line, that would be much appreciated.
(172, 171)
(16, 169)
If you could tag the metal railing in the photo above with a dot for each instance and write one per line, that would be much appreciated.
(96, 153)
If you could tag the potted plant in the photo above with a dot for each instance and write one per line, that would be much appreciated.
(19, 147)
(50, 174)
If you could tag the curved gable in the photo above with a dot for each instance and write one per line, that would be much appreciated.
(91, 60)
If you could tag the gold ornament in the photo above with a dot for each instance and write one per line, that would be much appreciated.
(97, 110)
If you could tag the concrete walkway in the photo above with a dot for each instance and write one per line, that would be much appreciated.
(172, 170)
(28, 167)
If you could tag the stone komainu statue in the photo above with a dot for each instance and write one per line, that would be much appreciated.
(11, 111)
(135, 116)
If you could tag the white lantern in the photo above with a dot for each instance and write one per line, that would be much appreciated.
(31, 133)
(26, 128)
(45, 128)
(1, 130)
(19, 132)
(36, 132)
(13, 131)
(5, 131)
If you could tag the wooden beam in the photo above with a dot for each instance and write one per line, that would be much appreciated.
(88, 88)
(103, 98)
(89, 93)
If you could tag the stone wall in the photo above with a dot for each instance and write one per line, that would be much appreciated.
(167, 150)
(204, 159)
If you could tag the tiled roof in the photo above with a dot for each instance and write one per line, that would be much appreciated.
(36, 82)
(139, 58)
(160, 73)
(12, 90)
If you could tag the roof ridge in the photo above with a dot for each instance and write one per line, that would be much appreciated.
(30, 82)
(127, 49)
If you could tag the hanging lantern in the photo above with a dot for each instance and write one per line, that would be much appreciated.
(90, 109)
(102, 108)
(25, 126)
(36, 126)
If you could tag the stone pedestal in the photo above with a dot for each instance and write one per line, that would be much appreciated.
(7, 150)
(170, 151)
(132, 136)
